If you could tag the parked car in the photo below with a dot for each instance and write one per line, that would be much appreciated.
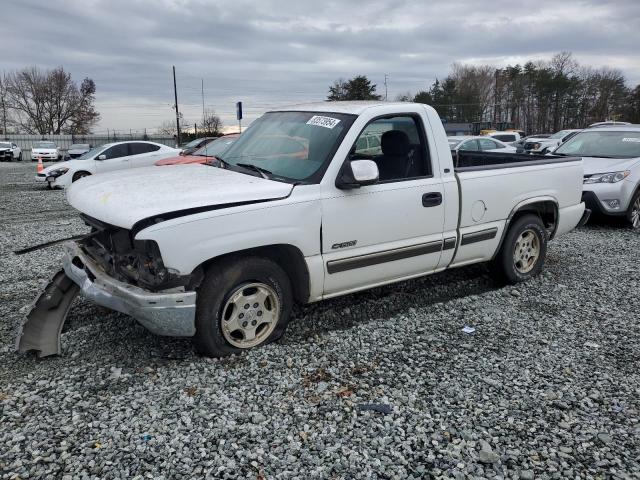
(112, 156)
(548, 144)
(9, 152)
(197, 144)
(46, 151)
(220, 254)
(479, 144)
(520, 143)
(204, 154)
(77, 150)
(611, 156)
(506, 137)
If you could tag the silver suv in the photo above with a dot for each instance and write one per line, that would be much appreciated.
(611, 156)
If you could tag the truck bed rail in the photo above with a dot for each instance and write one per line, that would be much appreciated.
(474, 161)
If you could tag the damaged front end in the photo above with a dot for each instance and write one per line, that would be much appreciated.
(113, 270)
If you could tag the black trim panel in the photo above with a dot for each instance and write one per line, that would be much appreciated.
(480, 236)
(449, 243)
(163, 217)
(351, 263)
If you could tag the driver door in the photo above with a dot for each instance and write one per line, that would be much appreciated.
(389, 230)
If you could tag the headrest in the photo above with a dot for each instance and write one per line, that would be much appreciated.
(395, 142)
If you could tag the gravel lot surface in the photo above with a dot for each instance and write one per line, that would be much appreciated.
(382, 384)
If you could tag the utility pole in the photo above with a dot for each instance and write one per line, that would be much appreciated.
(385, 87)
(195, 129)
(202, 79)
(175, 93)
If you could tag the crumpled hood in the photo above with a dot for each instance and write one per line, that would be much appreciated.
(594, 165)
(123, 198)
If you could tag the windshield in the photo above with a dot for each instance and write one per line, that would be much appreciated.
(453, 143)
(603, 143)
(290, 145)
(78, 146)
(560, 134)
(194, 143)
(45, 145)
(5, 145)
(92, 153)
(215, 148)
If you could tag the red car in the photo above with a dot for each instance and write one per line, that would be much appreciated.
(211, 149)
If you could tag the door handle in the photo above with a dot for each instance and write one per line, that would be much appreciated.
(432, 199)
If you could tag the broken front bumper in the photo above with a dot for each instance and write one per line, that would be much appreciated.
(163, 313)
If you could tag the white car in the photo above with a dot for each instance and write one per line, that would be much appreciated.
(479, 144)
(221, 253)
(611, 156)
(9, 151)
(506, 136)
(548, 144)
(112, 156)
(46, 151)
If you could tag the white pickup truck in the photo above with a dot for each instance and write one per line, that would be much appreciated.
(295, 212)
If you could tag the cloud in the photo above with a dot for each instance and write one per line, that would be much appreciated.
(270, 53)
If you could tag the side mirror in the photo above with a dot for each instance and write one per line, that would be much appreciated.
(357, 173)
(101, 157)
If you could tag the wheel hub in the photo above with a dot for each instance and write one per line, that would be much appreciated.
(527, 251)
(250, 315)
(635, 213)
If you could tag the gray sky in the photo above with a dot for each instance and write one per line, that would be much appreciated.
(268, 53)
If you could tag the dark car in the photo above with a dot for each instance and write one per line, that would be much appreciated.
(196, 144)
(77, 150)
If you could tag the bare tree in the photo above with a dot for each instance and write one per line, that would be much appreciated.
(50, 102)
(4, 104)
(211, 123)
(168, 127)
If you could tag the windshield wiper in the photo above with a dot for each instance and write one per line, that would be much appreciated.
(262, 171)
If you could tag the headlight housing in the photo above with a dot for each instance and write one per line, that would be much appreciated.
(57, 172)
(612, 177)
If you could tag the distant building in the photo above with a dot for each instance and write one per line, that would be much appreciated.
(455, 129)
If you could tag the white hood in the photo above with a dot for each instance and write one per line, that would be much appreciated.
(55, 166)
(44, 150)
(124, 198)
(593, 165)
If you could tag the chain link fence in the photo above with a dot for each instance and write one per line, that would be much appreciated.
(26, 142)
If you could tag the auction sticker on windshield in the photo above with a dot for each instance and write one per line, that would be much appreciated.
(320, 121)
(631, 139)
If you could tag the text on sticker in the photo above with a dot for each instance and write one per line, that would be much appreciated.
(320, 121)
(631, 139)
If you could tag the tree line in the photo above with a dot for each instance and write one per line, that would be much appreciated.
(543, 96)
(44, 102)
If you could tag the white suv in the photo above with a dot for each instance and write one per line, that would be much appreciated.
(611, 156)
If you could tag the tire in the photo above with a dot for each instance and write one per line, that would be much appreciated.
(527, 231)
(226, 310)
(633, 213)
(79, 175)
(20, 157)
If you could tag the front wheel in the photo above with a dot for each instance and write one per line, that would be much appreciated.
(523, 251)
(242, 303)
(633, 214)
(20, 157)
(79, 175)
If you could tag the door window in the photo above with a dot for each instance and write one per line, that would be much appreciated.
(117, 151)
(139, 148)
(398, 147)
(505, 138)
(486, 144)
(470, 146)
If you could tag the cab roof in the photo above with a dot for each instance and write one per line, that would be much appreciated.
(351, 107)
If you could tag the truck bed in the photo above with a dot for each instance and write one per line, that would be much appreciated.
(472, 161)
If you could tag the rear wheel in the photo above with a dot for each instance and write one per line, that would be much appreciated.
(20, 157)
(242, 303)
(79, 175)
(523, 251)
(633, 214)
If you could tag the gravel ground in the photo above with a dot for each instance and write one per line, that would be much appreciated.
(381, 384)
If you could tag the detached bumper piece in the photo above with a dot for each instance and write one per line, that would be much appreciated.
(585, 218)
(170, 313)
(41, 331)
